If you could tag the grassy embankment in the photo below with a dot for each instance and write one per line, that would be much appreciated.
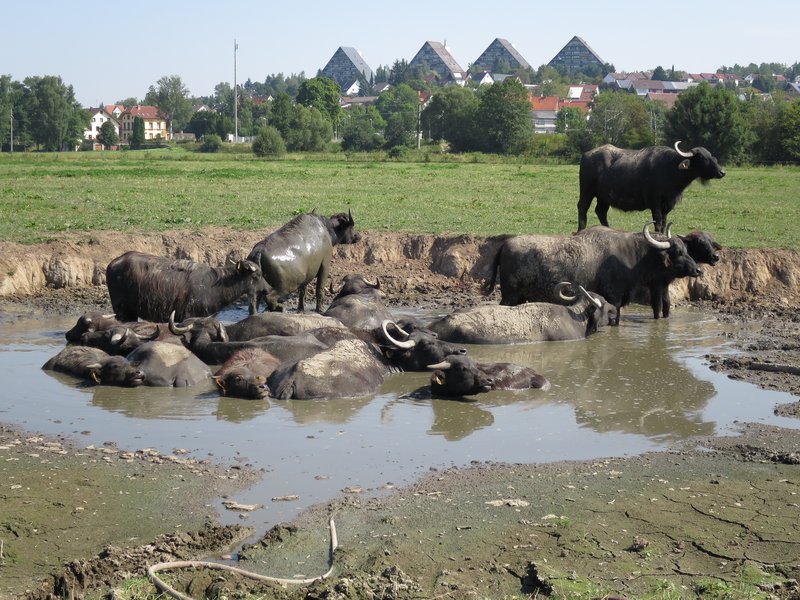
(42, 195)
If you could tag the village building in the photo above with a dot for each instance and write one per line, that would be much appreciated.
(501, 52)
(575, 57)
(436, 57)
(349, 69)
(155, 124)
(97, 117)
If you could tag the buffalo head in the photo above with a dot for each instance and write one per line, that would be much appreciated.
(417, 350)
(457, 375)
(344, 228)
(700, 162)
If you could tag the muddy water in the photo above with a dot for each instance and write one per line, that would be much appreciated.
(626, 390)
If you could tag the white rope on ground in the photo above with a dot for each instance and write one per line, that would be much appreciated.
(187, 564)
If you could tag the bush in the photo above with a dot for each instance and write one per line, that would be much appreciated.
(269, 142)
(211, 143)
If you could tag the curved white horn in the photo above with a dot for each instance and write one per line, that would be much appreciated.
(669, 230)
(444, 365)
(175, 328)
(405, 345)
(559, 290)
(591, 298)
(681, 152)
(653, 242)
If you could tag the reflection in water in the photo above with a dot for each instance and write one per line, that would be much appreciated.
(456, 420)
(335, 411)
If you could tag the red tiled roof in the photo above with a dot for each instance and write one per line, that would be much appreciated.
(666, 99)
(544, 102)
(146, 112)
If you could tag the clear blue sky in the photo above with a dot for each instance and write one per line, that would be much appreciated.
(109, 51)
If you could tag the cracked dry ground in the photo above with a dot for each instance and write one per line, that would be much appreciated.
(690, 523)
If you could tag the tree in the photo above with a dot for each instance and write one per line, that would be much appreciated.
(269, 142)
(570, 118)
(172, 97)
(56, 120)
(309, 130)
(398, 106)
(321, 93)
(451, 116)
(790, 128)
(360, 129)
(620, 118)
(137, 134)
(6, 104)
(712, 117)
(504, 117)
(659, 74)
(280, 115)
(108, 135)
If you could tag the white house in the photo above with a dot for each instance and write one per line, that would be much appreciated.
(98, 116)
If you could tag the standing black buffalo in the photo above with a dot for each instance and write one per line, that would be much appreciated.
(298, 252)
(151, 287)
(602, 260)
(651, 178)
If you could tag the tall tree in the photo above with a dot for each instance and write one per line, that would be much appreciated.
(171, 96)
(310, 131)
(57, 120)
(712, 117)
(108, 135)
(504, 117)
(450, 116)
(322, 93)
(137, 133)
(398, 107)
(6, 112)
(359, 129)
(620, 118)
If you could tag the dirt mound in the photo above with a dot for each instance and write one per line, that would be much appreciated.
(411, 267)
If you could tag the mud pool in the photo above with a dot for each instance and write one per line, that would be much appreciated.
(627, 390)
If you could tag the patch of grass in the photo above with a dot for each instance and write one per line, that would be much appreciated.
(476, 194)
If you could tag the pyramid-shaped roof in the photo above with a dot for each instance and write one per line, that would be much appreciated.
(576, 55)
(439, 59)
(501, 50)
(346, 66)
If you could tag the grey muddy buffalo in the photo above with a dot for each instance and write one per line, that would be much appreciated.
(599, 259)
(151, 287)
(648, 179)
(291, 257)
(528, 322)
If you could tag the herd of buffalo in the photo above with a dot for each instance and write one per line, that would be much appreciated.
(163, 331)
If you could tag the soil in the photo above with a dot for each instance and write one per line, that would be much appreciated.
(715, 518)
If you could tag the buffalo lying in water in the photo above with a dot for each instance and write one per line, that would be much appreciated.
(459, 375)
(528, 322)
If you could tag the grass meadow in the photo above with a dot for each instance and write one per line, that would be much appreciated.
(45, 194)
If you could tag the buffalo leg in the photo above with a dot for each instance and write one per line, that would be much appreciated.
(601, 210)
(301, 298)
(322, 277)
(665, 303)
(658, 217)
(583, 207)
(656, 299)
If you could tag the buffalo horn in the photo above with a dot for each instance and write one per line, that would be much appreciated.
(444, 365)
(681, 152)
(335, 292)
(653, 242)
(350, 216)
(117, 338)
(177, 329)
(405, 345)
(376, 285)
(669, 230)
(222, 333)
(560, 287)
(591, 298)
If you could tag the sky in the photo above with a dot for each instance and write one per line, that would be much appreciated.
(108, 52)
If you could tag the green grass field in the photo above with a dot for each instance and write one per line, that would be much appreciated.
(42, 195)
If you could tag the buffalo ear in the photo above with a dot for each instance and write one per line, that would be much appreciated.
(437, 378)
(220, 384)
(716, 246)
(95, 375)
(684, 165)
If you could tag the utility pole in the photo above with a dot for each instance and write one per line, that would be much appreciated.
(11, 139)
(235, 97)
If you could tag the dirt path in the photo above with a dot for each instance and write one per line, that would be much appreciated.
(719, 523)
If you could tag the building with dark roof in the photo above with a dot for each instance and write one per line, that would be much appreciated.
(436, 57)
(501, 51)
(346, 67)
(576, 56)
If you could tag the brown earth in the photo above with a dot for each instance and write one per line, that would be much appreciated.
(593, 528)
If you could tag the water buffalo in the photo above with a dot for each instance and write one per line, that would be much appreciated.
(348, 369)
(599, 259)
(92, 322)
(96, 365)
(529, 322)
(651, 178)
(209, 341)
(245, 373)
(278, 323)
(151, 287)
(359, 305)
(297, 253)
(118, 340)
(416, 350)
(459, 375)
(703, 249)
(169, 365)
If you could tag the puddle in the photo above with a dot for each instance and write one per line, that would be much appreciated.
(624, 391)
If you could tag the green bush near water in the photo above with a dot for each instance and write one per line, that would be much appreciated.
(42, 195)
